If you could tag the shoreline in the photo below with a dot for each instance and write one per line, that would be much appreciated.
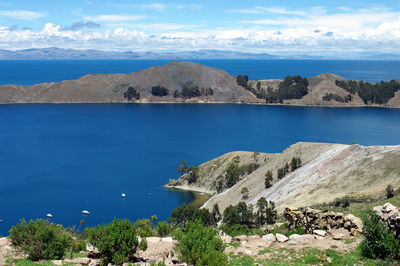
(238, 103)
(200, 196)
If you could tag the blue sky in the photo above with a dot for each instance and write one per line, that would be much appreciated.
(277, 27)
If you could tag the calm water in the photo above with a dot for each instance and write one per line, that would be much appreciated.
(37, 71)
(61, 159)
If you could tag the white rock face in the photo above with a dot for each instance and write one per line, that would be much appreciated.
(281, 238)
(269, 238)
(167, 239)
(226, 239)
(319, 232)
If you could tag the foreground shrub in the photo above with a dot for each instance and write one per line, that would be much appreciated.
(41, 239)
(163, 229)
(201, 245)
(117, 241)
(379, 242)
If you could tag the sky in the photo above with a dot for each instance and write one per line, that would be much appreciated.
(285, 27)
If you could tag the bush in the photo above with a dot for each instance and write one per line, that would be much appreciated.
(389, 191)
(201, 245)
(159, 91)
(41, 239)
(117, 241)
(379, 242)
(163, 229)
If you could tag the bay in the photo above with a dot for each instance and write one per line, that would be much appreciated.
(64, 158)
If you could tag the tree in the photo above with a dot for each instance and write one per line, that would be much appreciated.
(268, 179)
(232, 174)
(295, 163)
(216, 213)
(242, 80)
(245, 193)
(193, 174)
(131, 94)
(159, 91)
(177, 94)
(266, 212)
(389, 191)
(183, 168)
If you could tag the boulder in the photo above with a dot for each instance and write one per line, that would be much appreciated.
(167, 239)
(281, 238)
(269, 238)
(153, 239)
(226, 239)
(301, 238)
(338, 234)
(253, 237)
(387, 207)
(319, 232)
(79, 261)
(92, 252)
(241, 238)
(94, 262)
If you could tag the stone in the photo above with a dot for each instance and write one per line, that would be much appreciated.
(57, 262)
(338, 234)
(301, 238)
(226, 239)
(329, 260)
(319, 232)
(241, 238)
(94, 262)
(92, 252)
(269, 238)
(387, 207)
(253, 237)
(81, 261)
(167, 239)
(281, 238)
(153, 239)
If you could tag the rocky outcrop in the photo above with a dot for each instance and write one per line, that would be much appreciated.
(391, 216)
(312, 220)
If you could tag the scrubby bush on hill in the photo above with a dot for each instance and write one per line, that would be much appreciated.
(41, 239)
(201, 245)
(268, 179)
(242, 80)
(163, 229)
(290, 88)
(159, 91)
(329, 96)
(184, 214)
(117, 241)
(389, 191)
(131, 94)
(379, 242)
(379, 93)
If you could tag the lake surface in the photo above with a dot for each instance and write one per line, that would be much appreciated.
(29, 72)
(62, 159)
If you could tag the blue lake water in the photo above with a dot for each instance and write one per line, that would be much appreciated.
(62, 159)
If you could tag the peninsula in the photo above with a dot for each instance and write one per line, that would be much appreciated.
(188, 82)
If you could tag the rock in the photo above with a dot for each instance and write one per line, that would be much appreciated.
(338, 234)
(248, 252)
(254, 238)
(81, 261)
(379, 210)
(329, 260)
(318, 237)
(57, 262)
(94, 262)
(241, 238)
(269, 238)
(292, 242)
(387, 207)
(153, 239)
(301, 238)
(281, 238)
(92, 252)
(319, 232)
(167, 239)
(226, 239)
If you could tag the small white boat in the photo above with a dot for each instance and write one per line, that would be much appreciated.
(123, 195)
(49, 215)
(85, 212)
(1, 221)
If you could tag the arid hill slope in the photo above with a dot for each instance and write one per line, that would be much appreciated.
(111, 87)
(328, 171)
(175, 76)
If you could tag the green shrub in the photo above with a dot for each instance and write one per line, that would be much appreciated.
(379, 242)
(299, 231)
(41, 239)
(389, 191)
(163, 229)
(201, 245)
(145, 228)
(117, 241)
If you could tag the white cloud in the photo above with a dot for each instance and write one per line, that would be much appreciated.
(115, 17)
(21, 14)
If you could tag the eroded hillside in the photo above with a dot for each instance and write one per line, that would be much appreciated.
(327, 172)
